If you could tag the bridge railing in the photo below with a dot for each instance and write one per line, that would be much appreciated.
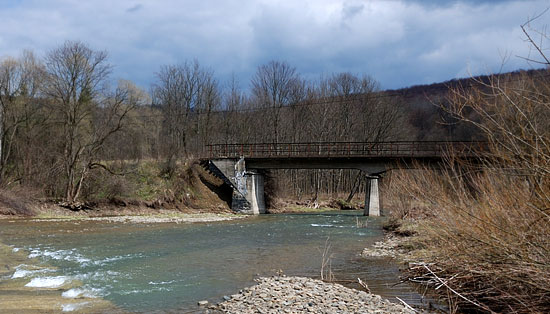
(344, 149)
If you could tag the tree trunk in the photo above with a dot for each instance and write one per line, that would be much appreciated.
(355, 187)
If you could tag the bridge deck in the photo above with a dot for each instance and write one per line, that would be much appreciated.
(395, 149)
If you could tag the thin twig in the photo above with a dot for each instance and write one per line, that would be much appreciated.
(406, 305)
(363, 284)
(455, 292)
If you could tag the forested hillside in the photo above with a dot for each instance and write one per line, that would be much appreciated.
(65, 130)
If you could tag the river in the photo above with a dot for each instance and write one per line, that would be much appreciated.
(168, 266)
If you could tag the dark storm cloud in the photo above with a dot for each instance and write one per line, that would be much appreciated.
(399, 43)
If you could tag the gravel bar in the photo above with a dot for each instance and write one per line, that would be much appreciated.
(304, 295)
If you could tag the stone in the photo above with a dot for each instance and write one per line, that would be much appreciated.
(203, 303)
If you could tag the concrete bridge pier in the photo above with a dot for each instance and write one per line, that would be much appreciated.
(250, 199)
(372, 197)
(255, 196)
(248, 185)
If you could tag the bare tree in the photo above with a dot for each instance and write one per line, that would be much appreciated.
(209, 101)
(88, 114)
(232, 120)
(344, 88)
(19, 83)
(272, 87)
(183, 92)
(134, 141)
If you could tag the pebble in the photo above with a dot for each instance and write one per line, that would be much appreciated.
(281, 294)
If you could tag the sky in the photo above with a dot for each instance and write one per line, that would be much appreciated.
(398, 43)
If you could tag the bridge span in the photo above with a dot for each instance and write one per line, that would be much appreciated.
(242, 166)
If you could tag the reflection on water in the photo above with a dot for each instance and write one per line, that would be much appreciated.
(172, 266)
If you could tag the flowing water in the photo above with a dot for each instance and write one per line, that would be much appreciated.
(145, 267)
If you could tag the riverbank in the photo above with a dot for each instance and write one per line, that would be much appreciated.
(146, 188)
(165, 217)
(304, 295)
(327, 203)
(48, 211)
(391, 246)
(401, 242)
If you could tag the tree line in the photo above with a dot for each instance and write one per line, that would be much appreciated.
(62, 119)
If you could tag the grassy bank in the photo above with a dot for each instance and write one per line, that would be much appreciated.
(137, 188)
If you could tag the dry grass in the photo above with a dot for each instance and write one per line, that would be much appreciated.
(491, 246)
(486, 226)
(326, 262)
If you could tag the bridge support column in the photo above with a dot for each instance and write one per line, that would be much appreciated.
(248, 192)
(255, 196)
(372, 197)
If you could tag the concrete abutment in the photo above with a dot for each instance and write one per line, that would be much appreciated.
(248, 185)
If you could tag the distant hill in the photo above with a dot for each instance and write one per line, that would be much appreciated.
(441, 89)
(422, 105)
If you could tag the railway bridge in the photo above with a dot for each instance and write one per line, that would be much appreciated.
(242, 165)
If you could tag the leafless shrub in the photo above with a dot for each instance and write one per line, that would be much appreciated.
(15, 203)
(492, 247)
(488, 238)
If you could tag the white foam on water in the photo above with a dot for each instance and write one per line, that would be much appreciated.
(73, 306)
(321, 225)
(67, 255)
(81, 293)
(72, 293)
(47, 282)
(72, 255)
(142, 291)
(107, 260)
(97, 275)
(161, 282)
(21, 272)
